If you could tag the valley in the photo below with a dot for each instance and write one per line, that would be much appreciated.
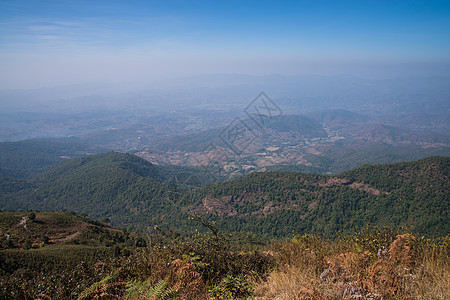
(335, 188)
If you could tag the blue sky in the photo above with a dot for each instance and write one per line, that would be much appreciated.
(44, 43)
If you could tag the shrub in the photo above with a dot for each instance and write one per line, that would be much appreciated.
(232, 288)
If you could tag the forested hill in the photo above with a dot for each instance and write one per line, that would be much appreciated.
(414, 194)
(125, 188)
(105, 166)
(430, 175)
(133, 193)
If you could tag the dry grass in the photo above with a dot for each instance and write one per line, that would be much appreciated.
(406, 268)
(432, 276)
(288, 283)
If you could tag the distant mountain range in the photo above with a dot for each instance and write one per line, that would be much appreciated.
(331, 141)
(134, 193)
(321, 124)
(326, 142)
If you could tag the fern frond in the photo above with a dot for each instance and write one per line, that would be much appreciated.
(95, 286)
(145, 290)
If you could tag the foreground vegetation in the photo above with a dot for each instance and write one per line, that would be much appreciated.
(371, 264)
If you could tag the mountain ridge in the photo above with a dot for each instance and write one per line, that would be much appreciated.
(135, 193)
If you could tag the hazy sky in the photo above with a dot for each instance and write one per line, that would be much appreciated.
(47, 43)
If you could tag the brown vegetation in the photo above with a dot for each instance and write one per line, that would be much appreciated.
(373, 264)
(404, 268)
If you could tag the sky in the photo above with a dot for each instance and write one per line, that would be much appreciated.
(50, 43)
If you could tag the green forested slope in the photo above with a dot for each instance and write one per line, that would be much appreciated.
(420, 190)
(123, 187)
(134, 193)
(412, 194)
